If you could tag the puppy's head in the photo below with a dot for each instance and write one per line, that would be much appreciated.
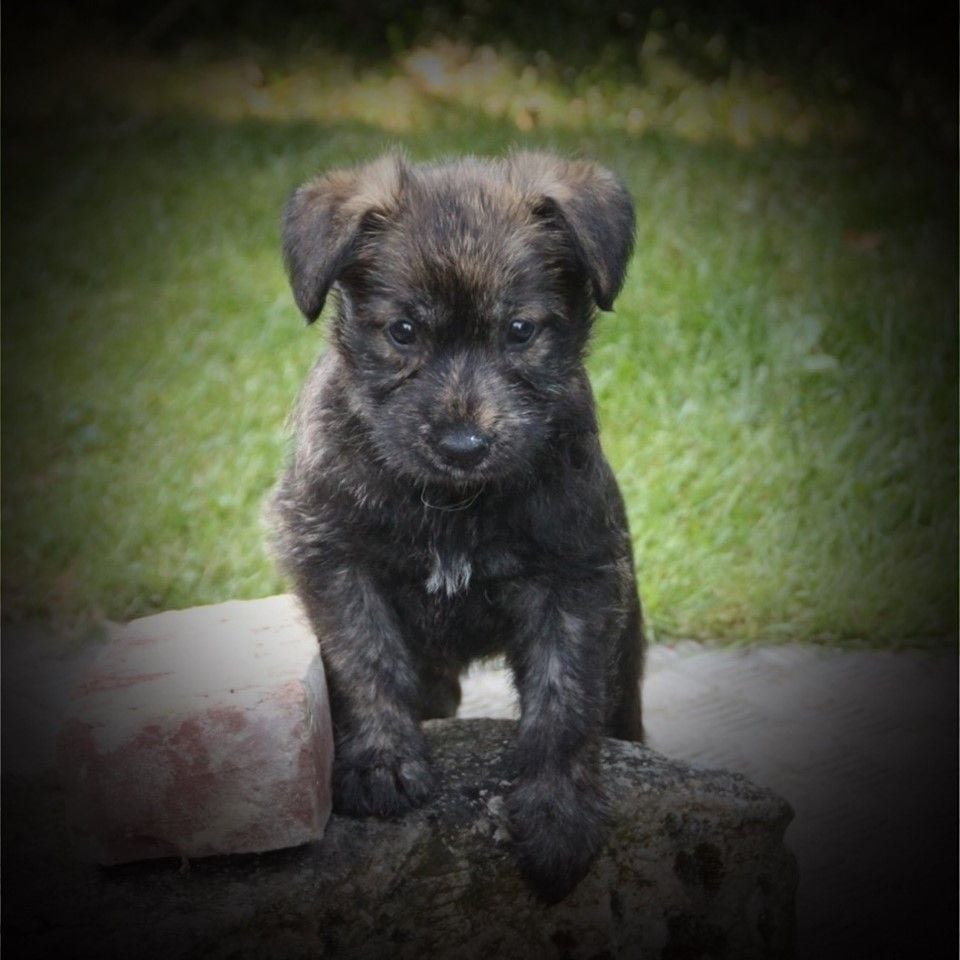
(467, 291)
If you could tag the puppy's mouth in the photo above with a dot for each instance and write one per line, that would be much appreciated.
(459, 454)
(463, 475)
(463, 447)
(459, 457)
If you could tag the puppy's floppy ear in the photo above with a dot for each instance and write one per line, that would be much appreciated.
(323, 221)
(591, 203)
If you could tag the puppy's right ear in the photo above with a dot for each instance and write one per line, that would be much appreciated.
(323, 222)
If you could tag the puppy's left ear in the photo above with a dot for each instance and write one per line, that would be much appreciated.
(594, 207)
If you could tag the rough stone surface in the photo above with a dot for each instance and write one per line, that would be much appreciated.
(695, 867)
(199, 732)
(862, 743)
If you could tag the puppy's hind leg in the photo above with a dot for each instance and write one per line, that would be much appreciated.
(624, 714)
(439, 691)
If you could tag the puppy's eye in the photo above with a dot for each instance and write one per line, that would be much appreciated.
(402, 332)
(521, 331)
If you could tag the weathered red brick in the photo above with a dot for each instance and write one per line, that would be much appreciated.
(199, 732)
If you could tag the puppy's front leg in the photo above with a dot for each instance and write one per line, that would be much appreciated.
(380, 755)
(557, 809)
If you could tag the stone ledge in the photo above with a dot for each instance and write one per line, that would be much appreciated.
(695, 866)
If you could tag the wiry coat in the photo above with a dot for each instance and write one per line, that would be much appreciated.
(447, 497)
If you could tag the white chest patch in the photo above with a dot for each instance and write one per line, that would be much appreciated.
(450, 574)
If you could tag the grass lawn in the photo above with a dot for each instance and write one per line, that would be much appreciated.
(777, 384)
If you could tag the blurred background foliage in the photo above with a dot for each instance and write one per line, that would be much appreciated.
(740, 71)
(777, 387)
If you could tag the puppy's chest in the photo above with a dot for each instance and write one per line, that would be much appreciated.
(449, 573)
(461, 555)
(451, 549)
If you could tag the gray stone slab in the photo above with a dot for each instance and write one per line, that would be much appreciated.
(695, 866)
(862, 743)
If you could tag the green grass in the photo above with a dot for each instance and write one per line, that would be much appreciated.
(777, 385)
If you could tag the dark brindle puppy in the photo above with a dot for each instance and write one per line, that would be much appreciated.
(447, 498)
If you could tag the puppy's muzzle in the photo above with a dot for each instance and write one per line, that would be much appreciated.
(462, 446)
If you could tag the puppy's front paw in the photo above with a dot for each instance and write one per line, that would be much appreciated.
(558, 827)
(384, 784)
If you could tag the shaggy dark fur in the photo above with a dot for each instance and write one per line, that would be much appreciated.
(447, 497)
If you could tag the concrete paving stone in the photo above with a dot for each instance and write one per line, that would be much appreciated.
(861, 743)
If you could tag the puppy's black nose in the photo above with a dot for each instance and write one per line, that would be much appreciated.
(463, 446)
